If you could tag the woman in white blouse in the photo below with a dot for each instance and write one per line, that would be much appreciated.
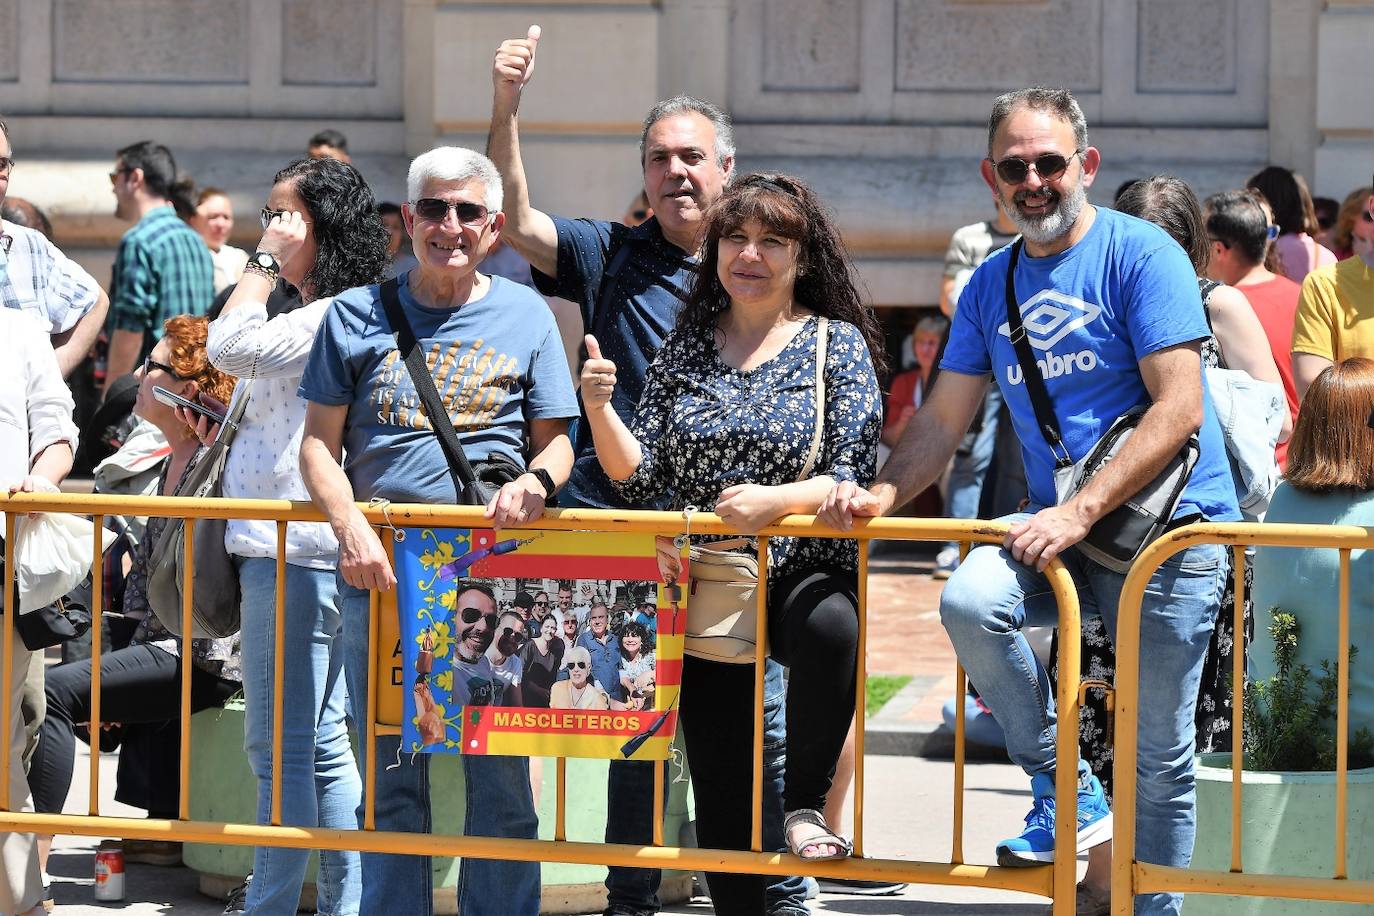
(321, 234)
(37, 439)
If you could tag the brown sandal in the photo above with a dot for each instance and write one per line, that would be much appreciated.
(814, 818)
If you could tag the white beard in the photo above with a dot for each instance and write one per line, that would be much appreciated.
(1043, 230)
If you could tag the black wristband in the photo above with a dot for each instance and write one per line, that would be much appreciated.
(545, 480)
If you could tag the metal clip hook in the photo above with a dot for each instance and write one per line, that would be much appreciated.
(684, 539)
(397, 534)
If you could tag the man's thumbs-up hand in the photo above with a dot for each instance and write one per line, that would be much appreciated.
(598, 377)
(513, 66)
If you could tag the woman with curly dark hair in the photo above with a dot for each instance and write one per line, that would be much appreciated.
(322, 234)
(733, 418)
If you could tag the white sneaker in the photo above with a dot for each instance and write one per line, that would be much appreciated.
(946, 562)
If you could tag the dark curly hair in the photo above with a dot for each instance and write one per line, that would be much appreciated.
(825, 276)
(350, 237)
(635, 628)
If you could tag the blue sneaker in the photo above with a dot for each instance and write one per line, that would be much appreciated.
(1035, 845)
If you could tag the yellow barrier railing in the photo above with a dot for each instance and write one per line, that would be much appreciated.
(1056, 882)
(1130, 877)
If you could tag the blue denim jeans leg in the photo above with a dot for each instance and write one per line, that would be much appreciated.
(969, 468)
(991, 597)
(498, 804)
(319, 779)
(786, 893)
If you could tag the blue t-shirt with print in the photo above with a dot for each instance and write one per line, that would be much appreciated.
(1124, 291)
(630, 324)
(498, 363)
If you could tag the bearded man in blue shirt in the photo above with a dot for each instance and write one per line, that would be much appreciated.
(1111, 304)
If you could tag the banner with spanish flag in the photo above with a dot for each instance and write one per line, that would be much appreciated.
(539, 643)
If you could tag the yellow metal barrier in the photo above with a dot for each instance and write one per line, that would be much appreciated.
(1130, 877)
(1056, 882)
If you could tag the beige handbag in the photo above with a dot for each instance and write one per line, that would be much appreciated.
(722, 603)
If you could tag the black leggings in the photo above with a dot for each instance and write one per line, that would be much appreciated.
(140, 684)
(813, 628)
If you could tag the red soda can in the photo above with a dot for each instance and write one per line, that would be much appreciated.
(109, 872)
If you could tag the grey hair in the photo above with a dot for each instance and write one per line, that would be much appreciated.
(683, 104)
(1059, 102)
(932, 324)
(454, 163)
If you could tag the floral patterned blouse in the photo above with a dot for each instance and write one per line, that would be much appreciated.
(704, 426)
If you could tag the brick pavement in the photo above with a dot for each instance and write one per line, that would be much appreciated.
(904, 632)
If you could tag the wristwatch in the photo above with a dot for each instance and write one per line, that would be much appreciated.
(265, 262)
(545, 480)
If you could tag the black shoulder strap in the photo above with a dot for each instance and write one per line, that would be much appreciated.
(1030, 373)
(433, 405)
(609, 284)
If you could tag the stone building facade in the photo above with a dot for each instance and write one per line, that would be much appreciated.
(880, 103)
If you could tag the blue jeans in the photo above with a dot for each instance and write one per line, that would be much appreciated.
(319, 779)
(971, 460)
(629, 807)
(991, 597)
(499, 804)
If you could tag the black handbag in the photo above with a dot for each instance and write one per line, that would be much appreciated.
(1117, 538)
(475, 485)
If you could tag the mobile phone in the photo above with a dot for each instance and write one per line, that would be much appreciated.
(164, 396)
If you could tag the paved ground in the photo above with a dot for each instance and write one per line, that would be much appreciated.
(908, 798)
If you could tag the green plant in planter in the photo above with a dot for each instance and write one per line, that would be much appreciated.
(1290, 718)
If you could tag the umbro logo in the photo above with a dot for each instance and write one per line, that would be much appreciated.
(1050, 316)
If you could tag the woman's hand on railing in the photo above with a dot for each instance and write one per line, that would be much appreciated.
(750, 506)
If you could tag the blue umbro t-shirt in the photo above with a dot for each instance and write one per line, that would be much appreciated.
(1126, 290)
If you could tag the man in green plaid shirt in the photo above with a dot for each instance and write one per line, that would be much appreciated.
(162, 268)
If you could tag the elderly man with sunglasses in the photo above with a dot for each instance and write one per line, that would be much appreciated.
(1110, 307)
(497, 361)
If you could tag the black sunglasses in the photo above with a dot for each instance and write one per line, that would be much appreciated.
(149, 364)
(1367, 216)
(541, 604)
(469, 214)
(265, 216)
(578, 665)
(1048, 166)
(518, 638)
(472, 615)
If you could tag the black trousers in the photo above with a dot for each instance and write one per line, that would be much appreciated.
(813, 629)
(138, 685)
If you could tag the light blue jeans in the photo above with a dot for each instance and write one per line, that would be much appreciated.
(499, 804)
(969, 469)
(319, 780)
(991, 597)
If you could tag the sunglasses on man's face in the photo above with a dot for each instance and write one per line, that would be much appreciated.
(578, 665)
(541, 604)
(432, 208)
(1048, 166)
(472, 615)
(510, 633)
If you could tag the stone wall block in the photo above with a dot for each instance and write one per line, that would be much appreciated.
(1186, 45)
(150, 41)
(812, 44)
(329, 42)
(964, 45)
(9, 41)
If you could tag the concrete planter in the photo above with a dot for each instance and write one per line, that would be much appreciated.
(223, 789)
(1288, 828)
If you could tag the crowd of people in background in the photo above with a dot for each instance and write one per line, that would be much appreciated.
(730, 362)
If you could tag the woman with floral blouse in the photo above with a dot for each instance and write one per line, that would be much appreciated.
(726, 421)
